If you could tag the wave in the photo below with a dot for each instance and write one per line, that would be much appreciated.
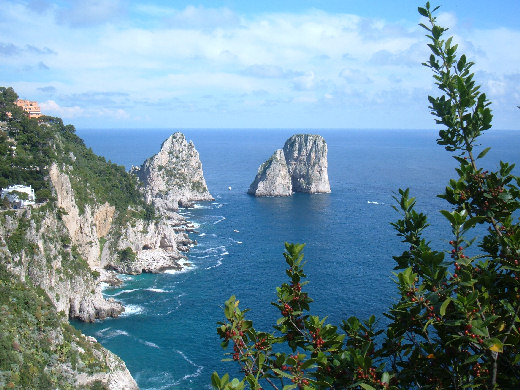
(222, 218)
(123, 292)
(371, 202)
(109, 333)
(202, 234)
(197, 372)
(157, 290)
(194, 225)
(211, 251)
(218, 264)
(132, 310)
(150, 344)
(177, 307)
(180, 271)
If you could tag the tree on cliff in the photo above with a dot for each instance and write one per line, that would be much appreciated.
(456, 323)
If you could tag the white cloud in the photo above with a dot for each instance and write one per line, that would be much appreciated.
(151, 53)
(50, 107)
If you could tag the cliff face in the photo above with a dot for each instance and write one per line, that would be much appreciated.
(38, 249)
(306, 156)
(273, 177)
(173, 178)
(301, 166)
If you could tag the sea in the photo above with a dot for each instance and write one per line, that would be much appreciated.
(167, 334)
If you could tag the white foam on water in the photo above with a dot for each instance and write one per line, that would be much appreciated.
(197, 372)
(132, 310)
(371, 202)
(181, 271)
(218, 264)
(150, 344)
(202, 234)
(193, 225)
(200, 206)
(157, 290)
(123, 292)
(125, 276)
(222, 218)
(109, 333)
(179, 304)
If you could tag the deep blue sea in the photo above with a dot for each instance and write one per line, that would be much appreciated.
(167, 336)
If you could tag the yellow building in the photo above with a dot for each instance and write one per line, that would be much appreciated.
(31, 108)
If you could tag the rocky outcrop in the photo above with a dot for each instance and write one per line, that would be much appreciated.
(158, 246)
(116, 378)
(273, 177)
(301, 166)
(173, 178)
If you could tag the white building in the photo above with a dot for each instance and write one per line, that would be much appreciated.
(13, 194)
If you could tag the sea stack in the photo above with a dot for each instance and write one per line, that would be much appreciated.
(173, 177)
(301, 166)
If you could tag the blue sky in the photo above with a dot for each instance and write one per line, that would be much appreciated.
(244, 64)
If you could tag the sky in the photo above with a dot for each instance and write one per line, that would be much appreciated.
(250, 64)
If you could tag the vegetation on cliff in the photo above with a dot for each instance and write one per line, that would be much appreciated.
(29, 146)
(44, 265)
(456, 323)
(38, 348)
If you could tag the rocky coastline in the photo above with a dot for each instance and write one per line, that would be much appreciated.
(70, 246)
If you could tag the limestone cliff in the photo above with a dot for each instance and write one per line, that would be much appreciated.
(301, 166)
(273, 177)
(173, 177)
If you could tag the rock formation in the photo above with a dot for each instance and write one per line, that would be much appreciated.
(301, 166)
(173, 178)
(273, 177)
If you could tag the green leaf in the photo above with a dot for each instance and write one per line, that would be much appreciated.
(261, 359)
(483, 153)
(472, 222)
(423, 12)
(366, 387)
(461, 63)
(215, 380)
(444, 305)
(449, 216)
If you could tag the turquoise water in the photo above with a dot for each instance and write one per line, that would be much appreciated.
(167, 335)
